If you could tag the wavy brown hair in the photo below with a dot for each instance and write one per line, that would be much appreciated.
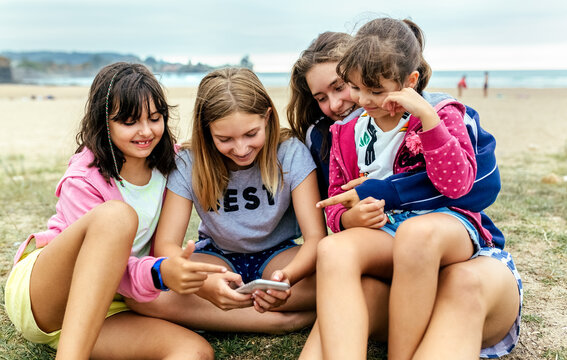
(303, 110)
(133, 88)
(388, 48)
(220, 94)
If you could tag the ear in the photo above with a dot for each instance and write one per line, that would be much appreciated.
(267, 116)
(412, 79)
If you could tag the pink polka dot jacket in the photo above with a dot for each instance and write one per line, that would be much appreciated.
(444, 152)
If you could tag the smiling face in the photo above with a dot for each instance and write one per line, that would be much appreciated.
(137, 138)
(330, 92)
(239, 137)
(371, 99)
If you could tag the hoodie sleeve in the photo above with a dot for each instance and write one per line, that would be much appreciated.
(337, 177)
(137, 280)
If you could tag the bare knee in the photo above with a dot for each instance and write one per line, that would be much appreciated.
(416, 244)
(199, 350)
(335, 253)
(115, 216)
(462, 286)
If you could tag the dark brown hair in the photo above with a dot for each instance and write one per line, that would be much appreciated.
(387, 48)
(133, 88)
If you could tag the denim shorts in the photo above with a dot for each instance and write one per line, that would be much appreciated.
(249, 265)
(396, 218)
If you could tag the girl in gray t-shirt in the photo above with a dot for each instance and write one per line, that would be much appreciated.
(254, 188)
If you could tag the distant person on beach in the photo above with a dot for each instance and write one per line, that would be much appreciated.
(462, 84)
(254, 188)
(322, 341)
(68, 284)
(485, 86)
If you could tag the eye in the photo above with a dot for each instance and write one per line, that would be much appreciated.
(354, 87)
(129, 122)
(251, 134)
(340, 87)
(376, 92)
(223, 140)
(321, 99)
(156, 119)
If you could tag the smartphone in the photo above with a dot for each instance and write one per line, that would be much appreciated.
(262, 284)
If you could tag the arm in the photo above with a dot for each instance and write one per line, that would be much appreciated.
(414, 191)
(312, 225)
(337, 178)
(179, 273)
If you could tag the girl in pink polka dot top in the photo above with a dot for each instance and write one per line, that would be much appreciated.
(399, 131)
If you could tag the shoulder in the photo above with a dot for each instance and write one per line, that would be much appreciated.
(81, 175)
(292, 152)
(290, 145)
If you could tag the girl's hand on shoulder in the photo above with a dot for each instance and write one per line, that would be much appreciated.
(217, 289)
(366, 213)
(409, 100)
(270, 299)
(185, 276)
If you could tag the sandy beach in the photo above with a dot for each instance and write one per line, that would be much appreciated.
(521, 119)
(39, 124)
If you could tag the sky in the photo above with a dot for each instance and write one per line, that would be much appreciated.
(460, 35)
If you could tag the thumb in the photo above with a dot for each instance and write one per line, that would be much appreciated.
(189, 249)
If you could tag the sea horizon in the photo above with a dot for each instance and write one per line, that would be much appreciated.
(537, 79)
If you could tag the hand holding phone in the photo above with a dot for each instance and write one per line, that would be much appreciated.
(261, 284)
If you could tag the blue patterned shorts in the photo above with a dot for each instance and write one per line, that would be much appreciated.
(249, 265)
(511, 339)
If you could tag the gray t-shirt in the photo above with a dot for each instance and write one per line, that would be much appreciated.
(249, 218)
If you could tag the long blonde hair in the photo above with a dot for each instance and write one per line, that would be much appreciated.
(220, 94)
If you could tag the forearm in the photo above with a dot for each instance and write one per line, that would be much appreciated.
(303, 264)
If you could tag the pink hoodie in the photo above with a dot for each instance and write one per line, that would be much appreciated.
(80, 189)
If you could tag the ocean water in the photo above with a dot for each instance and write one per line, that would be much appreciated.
(537, 79)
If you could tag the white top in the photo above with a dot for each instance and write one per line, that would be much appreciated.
(376, 149)
(146, 201)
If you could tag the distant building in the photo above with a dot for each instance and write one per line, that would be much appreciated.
(5, 70)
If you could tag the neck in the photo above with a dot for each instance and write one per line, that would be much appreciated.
(387, 123)
(136, 171)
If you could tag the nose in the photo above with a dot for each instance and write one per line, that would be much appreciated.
(335, 104)
(144, 129)
(363, 99)
(240, 148)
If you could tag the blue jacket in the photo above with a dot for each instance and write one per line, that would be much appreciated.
(414, 191)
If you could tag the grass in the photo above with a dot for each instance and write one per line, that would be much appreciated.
(531, 214)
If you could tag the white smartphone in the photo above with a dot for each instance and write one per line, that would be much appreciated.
(262, 284)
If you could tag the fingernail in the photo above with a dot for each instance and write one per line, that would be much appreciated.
(269, 292)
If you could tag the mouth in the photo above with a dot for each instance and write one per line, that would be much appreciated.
(243, 157)
(143, 144)
(346, 113)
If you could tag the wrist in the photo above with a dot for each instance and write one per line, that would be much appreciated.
(157, 277)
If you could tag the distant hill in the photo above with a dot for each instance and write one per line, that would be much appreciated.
(69, 58)
(30, 65)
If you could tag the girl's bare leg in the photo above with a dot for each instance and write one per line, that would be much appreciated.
(197, 313)
(376, 293)
(76, 276)
(342, 311)
(132, 336)
(303, 292)
(422, 245)
(477, 303)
